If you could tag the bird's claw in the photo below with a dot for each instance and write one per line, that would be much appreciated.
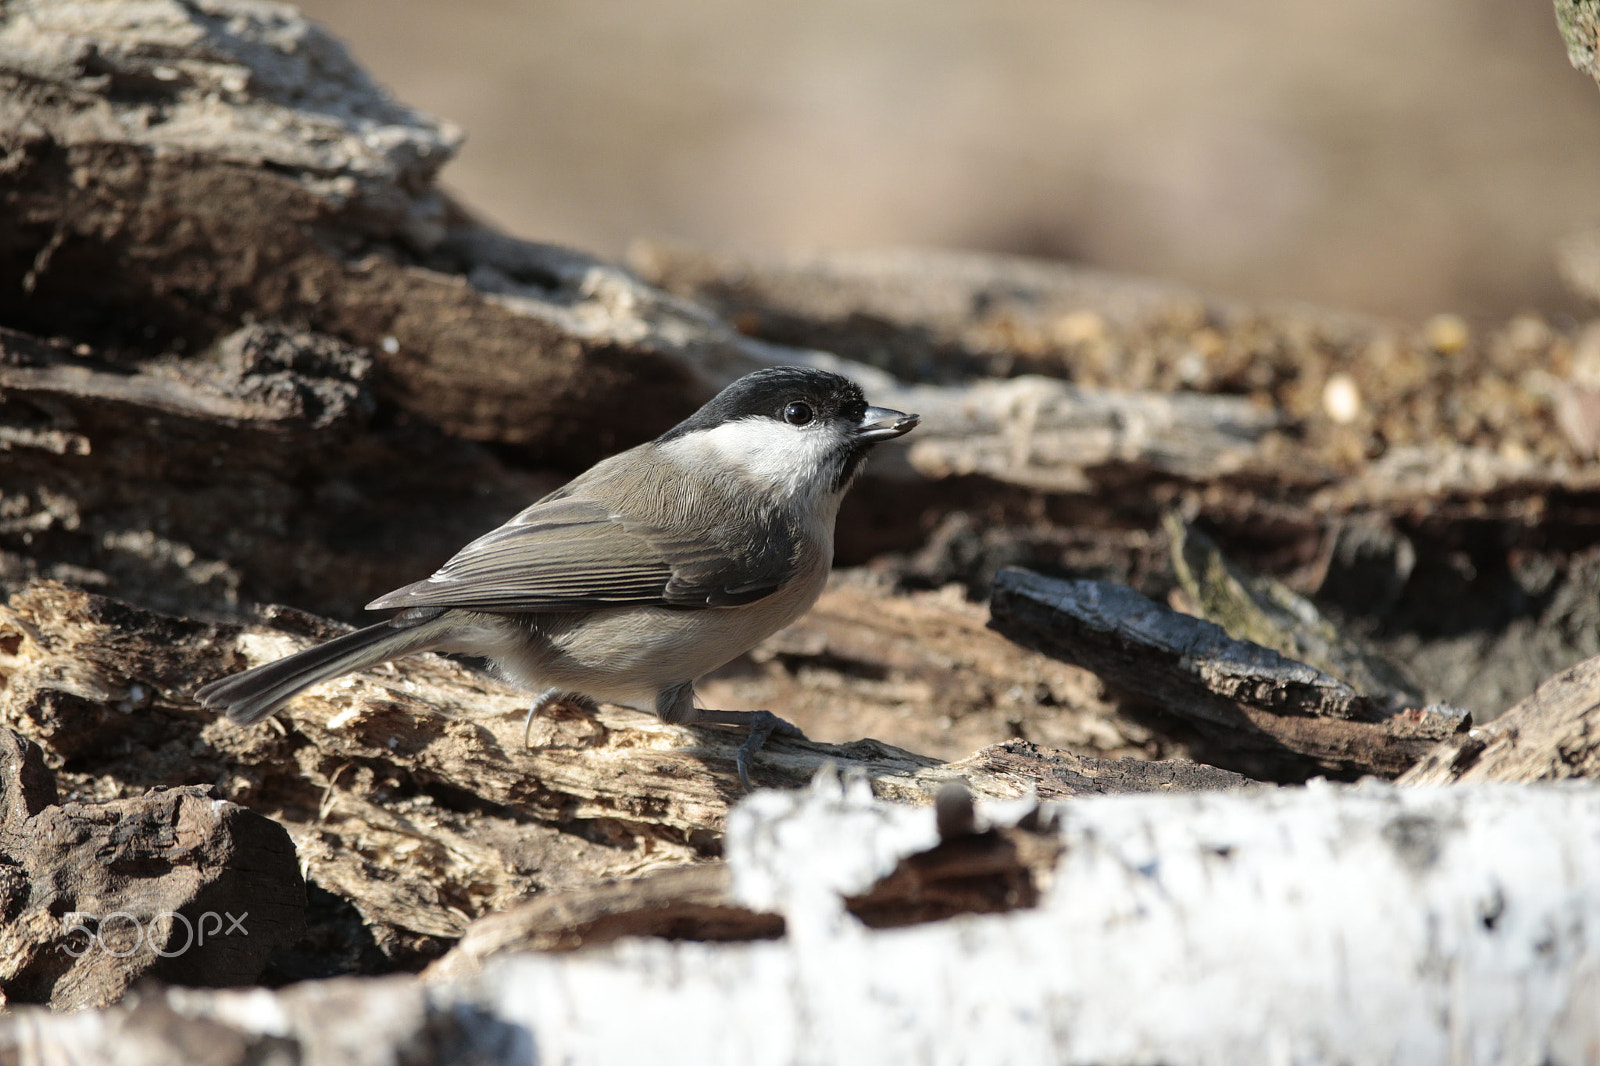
(762, 726)
(549, 698)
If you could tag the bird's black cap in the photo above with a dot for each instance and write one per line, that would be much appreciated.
(770, 391)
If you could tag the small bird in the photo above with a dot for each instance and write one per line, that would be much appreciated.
(640, 575)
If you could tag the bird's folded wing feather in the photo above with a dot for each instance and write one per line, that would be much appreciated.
(571, 554)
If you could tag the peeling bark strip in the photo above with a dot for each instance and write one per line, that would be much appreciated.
(1331, 924)
(1273, 717)
(171, 884)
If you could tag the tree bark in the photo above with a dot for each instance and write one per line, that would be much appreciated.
(172, 883)
(1196, 929)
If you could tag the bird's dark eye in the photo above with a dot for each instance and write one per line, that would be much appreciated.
(798, 413)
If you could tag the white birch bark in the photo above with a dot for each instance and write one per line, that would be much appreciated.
(1343, 924)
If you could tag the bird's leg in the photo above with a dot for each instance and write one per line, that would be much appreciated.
(762, 724)
(676, 705)
(548, 698)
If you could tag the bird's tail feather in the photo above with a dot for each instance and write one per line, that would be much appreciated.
(256, 693)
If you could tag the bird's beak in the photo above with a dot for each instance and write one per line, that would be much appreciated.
(880, 423)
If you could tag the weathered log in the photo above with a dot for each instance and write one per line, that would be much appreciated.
(969, 872)
(173, 178)
(1474, 941)
(178, 173)
(1258, 712)
(172, 884)
(252, 471)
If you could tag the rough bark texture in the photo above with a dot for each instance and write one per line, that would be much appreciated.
(408, 791)
(254, 471)
(183, 163)
(1262, 611)
(1580, 29)
(271, 334)
(172, 884)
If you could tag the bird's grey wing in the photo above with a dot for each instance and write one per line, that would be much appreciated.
(567, 554)
(740, 568)
(561, 554)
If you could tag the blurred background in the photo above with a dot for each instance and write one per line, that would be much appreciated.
(1399, 158)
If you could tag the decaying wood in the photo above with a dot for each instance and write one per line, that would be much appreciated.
(199, 163)
(251, 471)
(1553, 735)
(1040, 433)
(271, 336)
(251, 354)
(329, 217)
(171, 884)
(1449, 954)
(924, 671)
(931, 314)
(1272, 717)
(408, 790)
(277, 333)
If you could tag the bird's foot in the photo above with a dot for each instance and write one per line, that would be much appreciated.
(761, 724)
(550, 697)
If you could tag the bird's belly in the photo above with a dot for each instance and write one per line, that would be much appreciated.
(627, 655)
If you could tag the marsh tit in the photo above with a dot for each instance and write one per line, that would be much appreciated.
(642, 574)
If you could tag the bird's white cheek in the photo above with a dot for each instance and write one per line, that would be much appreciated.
(790, 461)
